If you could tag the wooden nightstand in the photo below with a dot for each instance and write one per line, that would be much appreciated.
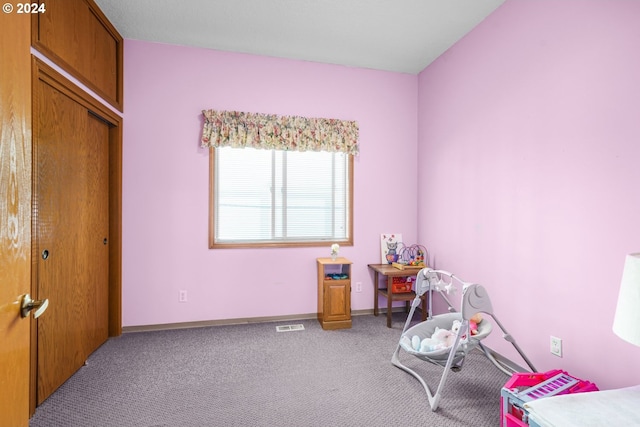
(334, 293)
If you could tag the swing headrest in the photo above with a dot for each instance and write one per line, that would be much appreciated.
(475, 299)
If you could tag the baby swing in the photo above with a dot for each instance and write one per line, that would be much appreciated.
(474, 300)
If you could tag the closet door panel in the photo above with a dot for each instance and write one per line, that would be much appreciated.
(71, 217)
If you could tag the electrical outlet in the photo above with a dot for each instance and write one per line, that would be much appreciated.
(358, 286)
(183, 296)
(556, 346)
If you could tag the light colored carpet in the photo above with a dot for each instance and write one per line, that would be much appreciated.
(251, 375)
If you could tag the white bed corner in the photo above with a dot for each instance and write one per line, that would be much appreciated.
(607, 408)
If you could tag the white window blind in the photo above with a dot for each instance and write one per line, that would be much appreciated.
(272, 196)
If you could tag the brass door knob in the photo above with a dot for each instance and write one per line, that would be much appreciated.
(29, 304)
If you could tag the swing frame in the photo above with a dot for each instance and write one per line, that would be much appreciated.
(475, 299)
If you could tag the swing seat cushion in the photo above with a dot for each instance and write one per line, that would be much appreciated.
(442, 321)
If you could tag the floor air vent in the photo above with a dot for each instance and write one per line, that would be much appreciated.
(289, 328)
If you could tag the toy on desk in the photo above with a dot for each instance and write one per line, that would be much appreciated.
(392, 254)
(414, 256)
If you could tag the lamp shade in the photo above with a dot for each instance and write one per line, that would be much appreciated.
(626, 323)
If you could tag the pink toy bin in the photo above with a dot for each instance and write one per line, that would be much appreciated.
(525, 387)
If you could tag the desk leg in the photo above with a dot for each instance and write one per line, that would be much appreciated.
(375, 293)
(424, 307)
(389, 299)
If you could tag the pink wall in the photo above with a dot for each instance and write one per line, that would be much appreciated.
(527, 139)
(165, 193)
(529, 150)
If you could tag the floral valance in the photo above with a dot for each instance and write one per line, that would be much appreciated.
(272, 132)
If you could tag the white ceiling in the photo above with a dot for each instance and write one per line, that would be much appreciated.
(392, 35)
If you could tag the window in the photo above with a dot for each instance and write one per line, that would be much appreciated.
(280, 198)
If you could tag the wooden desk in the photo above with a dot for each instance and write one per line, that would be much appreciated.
(390, 272)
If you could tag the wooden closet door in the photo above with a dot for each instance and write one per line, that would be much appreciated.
(15, 218)
(71, 210)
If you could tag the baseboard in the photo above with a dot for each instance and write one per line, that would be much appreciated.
(237, 321)
(220, 322)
